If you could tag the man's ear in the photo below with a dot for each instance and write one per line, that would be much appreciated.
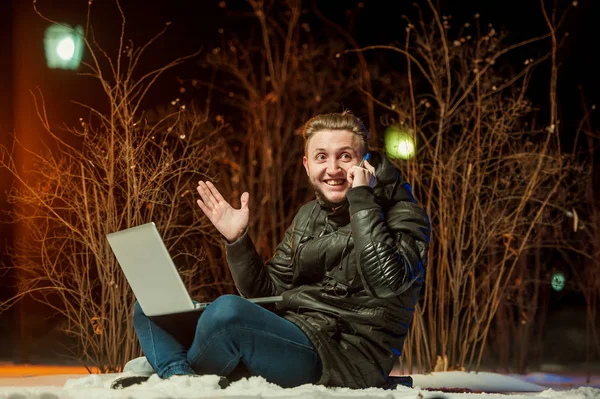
(305, 163)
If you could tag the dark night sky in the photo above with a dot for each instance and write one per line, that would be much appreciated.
(379, 22)
(194, 26)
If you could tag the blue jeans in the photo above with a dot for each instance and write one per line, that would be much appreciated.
(233, 334)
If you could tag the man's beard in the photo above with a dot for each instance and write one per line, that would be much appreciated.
(323, 200)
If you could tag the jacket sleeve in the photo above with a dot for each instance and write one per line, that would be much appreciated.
(390, 244)
(249, 273)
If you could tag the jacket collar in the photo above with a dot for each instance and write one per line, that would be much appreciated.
(330, 209)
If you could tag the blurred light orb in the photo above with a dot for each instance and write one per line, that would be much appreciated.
(399, 142)
(63, 46)
(558, 281)
(66, 48)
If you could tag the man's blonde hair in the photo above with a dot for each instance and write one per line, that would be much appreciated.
(336, 121)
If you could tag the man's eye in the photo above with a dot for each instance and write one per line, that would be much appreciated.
(346, 156)
(320, 157)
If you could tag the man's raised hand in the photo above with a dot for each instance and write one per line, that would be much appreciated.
(229, 221)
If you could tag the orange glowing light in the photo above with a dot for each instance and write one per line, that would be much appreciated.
(30, 370)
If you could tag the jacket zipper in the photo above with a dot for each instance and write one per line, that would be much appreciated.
(324, 227)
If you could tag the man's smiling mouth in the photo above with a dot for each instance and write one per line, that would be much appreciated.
(338, 182)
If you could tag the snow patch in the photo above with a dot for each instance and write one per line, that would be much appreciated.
(199, 387)
(481, 381)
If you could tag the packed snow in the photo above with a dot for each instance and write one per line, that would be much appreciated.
(98, 386)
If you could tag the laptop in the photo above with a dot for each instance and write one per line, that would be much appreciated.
(154, 280)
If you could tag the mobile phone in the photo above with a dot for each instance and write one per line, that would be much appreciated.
(366, 158)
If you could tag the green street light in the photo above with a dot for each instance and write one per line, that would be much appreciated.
(63, 46)
(558, 281)
(399, 142)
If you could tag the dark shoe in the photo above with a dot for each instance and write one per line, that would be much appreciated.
(224, 382)
(125, 382)
(394, 382)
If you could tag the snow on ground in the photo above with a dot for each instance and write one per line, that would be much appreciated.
(98, 386)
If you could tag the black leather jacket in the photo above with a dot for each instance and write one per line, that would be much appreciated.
(350, 276)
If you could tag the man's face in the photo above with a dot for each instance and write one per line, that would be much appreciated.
(329, 156)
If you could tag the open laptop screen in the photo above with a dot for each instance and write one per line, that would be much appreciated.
(150, 271)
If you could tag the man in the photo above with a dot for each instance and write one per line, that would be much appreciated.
(350, 269)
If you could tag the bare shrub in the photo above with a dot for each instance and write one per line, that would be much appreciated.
(488, 178)
(580, 237)
(116, 170)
